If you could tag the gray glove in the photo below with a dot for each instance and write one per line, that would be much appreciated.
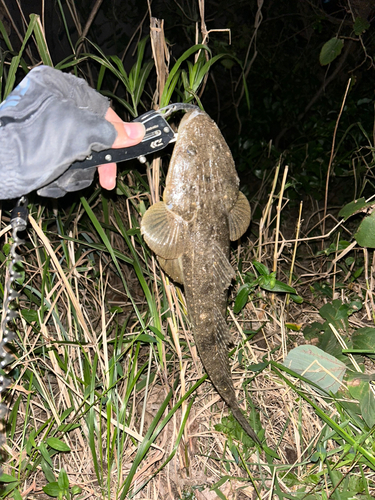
(50, 120)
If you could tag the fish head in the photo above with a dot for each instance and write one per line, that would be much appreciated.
(202, 171)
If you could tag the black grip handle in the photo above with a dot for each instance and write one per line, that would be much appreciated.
(158, 135)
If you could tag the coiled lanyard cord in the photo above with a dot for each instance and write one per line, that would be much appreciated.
(18, 222)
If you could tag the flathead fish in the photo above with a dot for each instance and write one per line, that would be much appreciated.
(190, 232)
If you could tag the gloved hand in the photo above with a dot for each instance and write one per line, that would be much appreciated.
(50, 120)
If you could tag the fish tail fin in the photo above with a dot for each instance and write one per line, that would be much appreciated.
(240, 417)
(212, 343)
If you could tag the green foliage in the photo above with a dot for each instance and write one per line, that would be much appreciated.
(61, 489)
(366, 229)
(232, 429)
(335, 315)
(324, 370)
(355, 207)
(363, 341)
(360, 26)
(265, 280)
(361, 388)
(330, 51)
(328, 367)
(365, 235)
(134, 83)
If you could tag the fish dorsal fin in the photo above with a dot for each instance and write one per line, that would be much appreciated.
(163, 231)
(239, 217)
(222, 270)
(173, 268)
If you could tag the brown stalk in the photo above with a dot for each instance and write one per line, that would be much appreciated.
(333, 153)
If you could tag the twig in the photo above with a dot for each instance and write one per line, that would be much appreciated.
(333, 155)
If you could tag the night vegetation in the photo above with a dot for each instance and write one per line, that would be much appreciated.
(109, 398)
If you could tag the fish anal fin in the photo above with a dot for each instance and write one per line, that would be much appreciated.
(163, 231)
(239, 217)
(222, 270)
(173, 268)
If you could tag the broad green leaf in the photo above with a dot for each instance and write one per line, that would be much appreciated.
(219, 493)
(68, 427)
(359, 386)
(365, 235)
(276, 286)
(330, 51)
(335, 247)
(48, 472)
(231, 427)
(147, 339)
(360, 25)
(261, 268)
(364, 341)
(6, 478)
(30, 315)
(57, 444)
(52, 489)
(296, 298)
(317, 366)
(44, 452)
(336, 313)
(17, 495)
(367, 406)
(66, 413)
(354, 207)
(354, 306)
(157, 332)
(257, 367)
(241, 299)
(6, 248)
(63, 480)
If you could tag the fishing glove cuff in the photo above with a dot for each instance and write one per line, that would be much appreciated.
(50, 120)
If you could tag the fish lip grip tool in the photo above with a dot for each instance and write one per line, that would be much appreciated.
(158, 135)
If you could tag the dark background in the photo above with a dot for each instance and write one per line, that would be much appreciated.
(294, 100)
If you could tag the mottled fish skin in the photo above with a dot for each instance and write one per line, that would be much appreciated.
(190, 231)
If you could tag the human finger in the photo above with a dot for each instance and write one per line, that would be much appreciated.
(128, 133)
(107, 175)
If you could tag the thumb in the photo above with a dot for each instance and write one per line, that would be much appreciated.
(128, 134)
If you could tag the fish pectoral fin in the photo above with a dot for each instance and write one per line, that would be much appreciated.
(163, 231)
(223, 271)
(239, 217)
(173, 268)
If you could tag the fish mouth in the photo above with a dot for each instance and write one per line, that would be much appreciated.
(191, 115)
